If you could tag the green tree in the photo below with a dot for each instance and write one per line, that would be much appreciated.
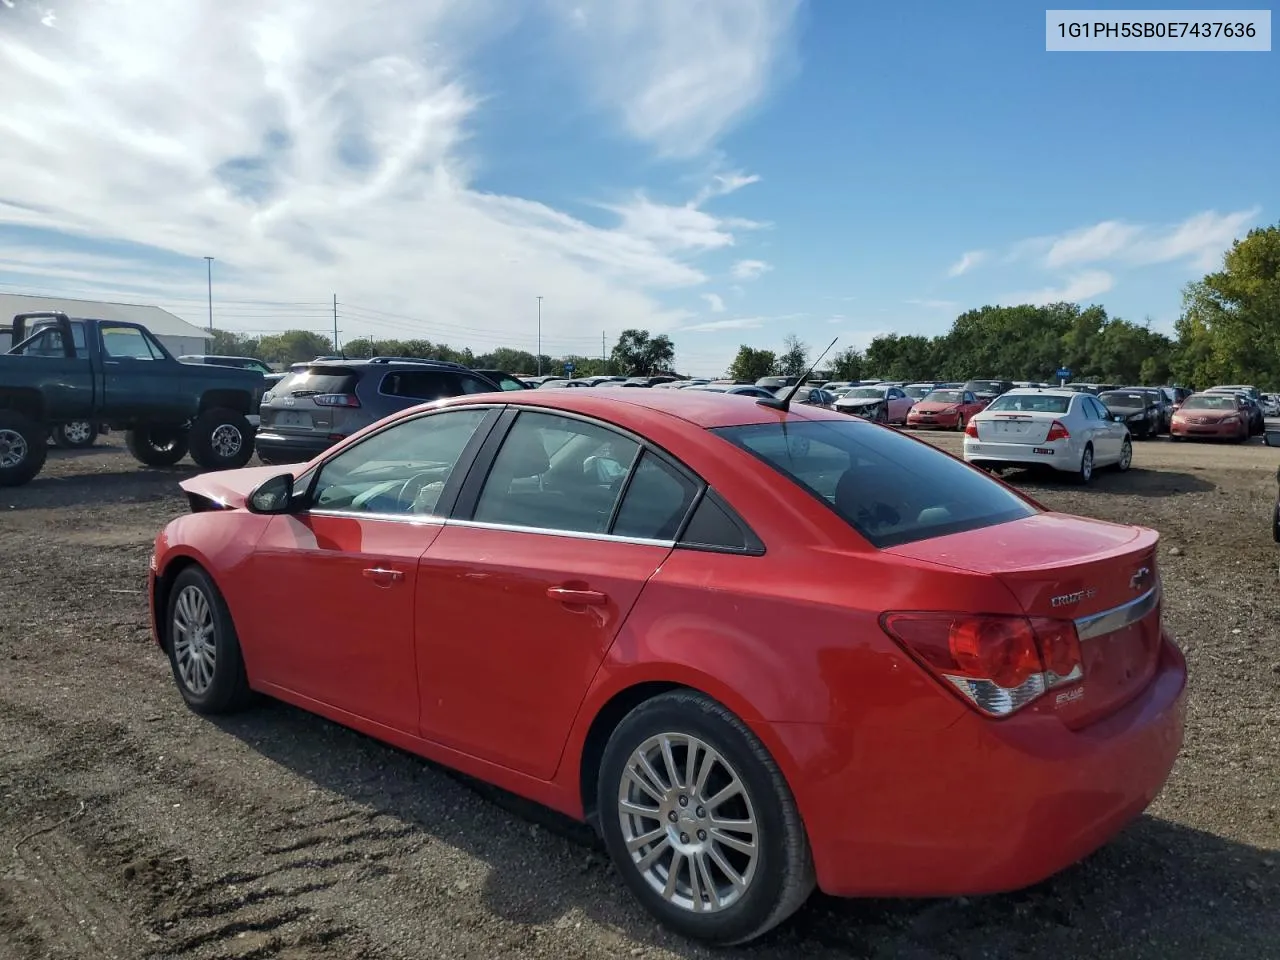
(293, 346)
(636, 354)
(228, 343)
(847, 365)
(751, 364)
(794, 359)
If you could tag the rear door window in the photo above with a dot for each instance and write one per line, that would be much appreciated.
(432, 384)
(658, 497)
(890, 488)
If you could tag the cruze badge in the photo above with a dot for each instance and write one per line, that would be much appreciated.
(1069, 598)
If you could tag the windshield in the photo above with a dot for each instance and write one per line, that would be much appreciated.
(1030, 403)
(916, 393)
(983, 386)
(864, 392)
(945, 396)
(1208, 402)
(889, 487)
(1120, 398)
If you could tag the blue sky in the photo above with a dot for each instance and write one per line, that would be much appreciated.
(725, 172)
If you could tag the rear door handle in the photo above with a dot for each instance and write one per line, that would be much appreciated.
(383, 576)
(587, 598)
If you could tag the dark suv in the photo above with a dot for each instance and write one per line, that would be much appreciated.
(319, 403)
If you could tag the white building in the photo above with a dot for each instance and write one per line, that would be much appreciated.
(178, 336)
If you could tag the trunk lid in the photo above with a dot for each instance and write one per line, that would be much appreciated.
(1101, 575)
(1014, 427)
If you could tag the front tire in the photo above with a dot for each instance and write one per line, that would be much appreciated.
(156, 446)
(221, 439)
(204, 650)
(1126, 456)
(24, 447)
(700, 822)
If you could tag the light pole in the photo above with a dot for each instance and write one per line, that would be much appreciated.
(209, 267)
(539, 336)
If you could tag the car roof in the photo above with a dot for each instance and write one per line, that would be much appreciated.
(1041, 391)
(633, 408)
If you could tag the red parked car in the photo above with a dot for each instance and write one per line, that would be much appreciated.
(759, 650)
(945, 409)
(1210, 416)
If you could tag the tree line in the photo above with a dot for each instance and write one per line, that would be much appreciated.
(1228, 332)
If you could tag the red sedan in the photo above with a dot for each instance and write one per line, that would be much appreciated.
(945, 409)
(1210, 416)
(759, 650)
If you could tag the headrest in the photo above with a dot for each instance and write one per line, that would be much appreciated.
(523, 455)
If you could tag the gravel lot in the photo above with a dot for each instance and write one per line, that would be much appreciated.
(130, 827)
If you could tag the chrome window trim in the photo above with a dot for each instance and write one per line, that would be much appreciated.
(414, 519)
(553, 532)
(1117, 618)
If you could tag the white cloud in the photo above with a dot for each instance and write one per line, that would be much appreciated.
(1081, 287)
(714, 301)
(738, 323)
(750, 269)
(679, 74)
(314, 148)
(934, 304)
(967, 262)
(1200, 240)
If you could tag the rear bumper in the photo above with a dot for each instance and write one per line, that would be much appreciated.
(982, 806)
(283, 448)
(1062, 455)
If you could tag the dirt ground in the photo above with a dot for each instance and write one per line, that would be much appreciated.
(129, 827)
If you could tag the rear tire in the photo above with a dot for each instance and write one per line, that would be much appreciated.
(1084, 473)
(221, 439)
(24, 447)
(960, 424)
(156, 446)
(1126, 456)
(775, 866)
(204, 650)
(76, 435)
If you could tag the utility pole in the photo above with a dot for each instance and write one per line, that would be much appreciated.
(335, 325)
(603, 357)
(209, 270)
(539, 336)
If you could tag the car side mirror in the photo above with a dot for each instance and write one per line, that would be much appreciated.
(272, 496)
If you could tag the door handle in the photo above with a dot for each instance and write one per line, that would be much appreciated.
(577, 598)
(383, 576)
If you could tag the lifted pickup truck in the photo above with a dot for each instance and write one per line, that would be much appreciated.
(62, 370)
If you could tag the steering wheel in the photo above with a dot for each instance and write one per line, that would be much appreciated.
(413, 487)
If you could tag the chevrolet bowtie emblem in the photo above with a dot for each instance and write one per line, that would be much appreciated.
(1140, 577)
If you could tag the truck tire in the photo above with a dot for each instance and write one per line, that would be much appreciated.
(156, 446)
(221, 439)
(76, 435)
(24, 445)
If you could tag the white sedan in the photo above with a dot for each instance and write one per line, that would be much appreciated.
(1062, 429)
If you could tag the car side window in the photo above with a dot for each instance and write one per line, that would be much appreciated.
(431, 384)
(656, 501)
(715, 526)
(400, 470)
(556, 473)
(47, 343)
(1094, 409)
(970, 398)
(127, 343)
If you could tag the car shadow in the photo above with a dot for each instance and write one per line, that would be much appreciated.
(1160, 890)
(49, 491)
(1135, 481)
(73, 453)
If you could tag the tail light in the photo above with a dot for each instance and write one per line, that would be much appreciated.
(1057, 431)
(971, 429)
(336, 400)
(996, 664)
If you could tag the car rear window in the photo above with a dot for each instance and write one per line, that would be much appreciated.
(1030, 403)
(1123, 398)
(891, 488)
(312, 381)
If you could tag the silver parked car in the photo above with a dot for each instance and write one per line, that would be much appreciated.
(1067, 430)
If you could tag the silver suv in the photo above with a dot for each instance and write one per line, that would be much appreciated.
(319, 403)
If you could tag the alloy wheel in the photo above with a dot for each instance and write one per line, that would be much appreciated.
(195, 649)
(226, 440)
(13, 448)
(688, 823)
